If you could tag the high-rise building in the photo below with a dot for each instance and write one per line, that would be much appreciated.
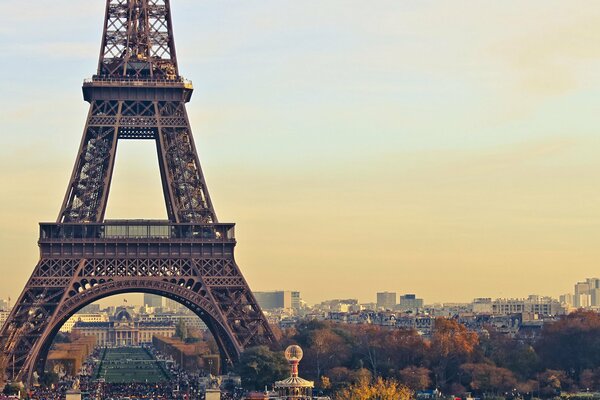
(152, 300)
(409, 302)
(386, 300)
(587, 294)
(278, 299)
(566, 299)
(4, 306)
(174, 306)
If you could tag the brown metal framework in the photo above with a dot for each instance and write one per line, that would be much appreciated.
(137, 93)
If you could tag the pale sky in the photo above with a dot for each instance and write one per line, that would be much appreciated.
(444, 148)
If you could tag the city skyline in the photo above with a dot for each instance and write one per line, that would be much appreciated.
(354, 157)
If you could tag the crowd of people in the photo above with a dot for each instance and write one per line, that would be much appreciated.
(182, 385)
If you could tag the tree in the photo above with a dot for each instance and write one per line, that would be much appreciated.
(487, 378)
(517, 356)
(325, 383)
(342, 376)
(589, 379)
(571, 344)
(385, 350)
(260, 367)
(452, 345)
(13, 389)
(550, 382)
(381, 389)
(416, 378)
(181, 330)
(325, 349)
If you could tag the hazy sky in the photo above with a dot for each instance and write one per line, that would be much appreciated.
(446, 148)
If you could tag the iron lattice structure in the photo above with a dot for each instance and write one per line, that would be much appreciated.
(137, 93)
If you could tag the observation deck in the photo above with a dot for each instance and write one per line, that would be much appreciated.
(135, 238)
(101, 88)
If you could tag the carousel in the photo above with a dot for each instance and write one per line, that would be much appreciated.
(294, 387)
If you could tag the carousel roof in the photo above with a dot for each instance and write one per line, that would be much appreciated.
(294, 381)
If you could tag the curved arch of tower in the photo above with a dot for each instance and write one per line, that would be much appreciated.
(136, 94)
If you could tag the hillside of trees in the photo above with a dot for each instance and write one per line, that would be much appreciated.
(338, 357)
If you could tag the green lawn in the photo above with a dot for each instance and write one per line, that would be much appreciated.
(130, 364)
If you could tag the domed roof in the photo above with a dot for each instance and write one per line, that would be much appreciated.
(123, 314)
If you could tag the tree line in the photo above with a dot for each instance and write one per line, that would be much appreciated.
(340, 358)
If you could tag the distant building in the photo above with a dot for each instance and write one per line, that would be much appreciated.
(123, 329)
(423, 324)
(189, 319)
(4, 305)
(93, 308)
(153, 300)
(173, 306)
(3, 317)
(386, 300)
(545, 306)
(278, 299)
(84, 317)
(409, 302)
(337, 305)
(567, 299)
(587, 294)
(482, 305)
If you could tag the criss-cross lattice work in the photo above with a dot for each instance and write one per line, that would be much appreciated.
(136, 94)
(166, 122)
(138, 40)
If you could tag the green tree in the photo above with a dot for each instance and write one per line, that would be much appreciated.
(13, 389)
(260, 367)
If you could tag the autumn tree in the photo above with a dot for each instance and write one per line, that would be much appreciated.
(416, 378)
(326, 349)
(518, 356)
(342, 376)
(571, 344)
(384, 351)
(551, 382)
(380, 389)
(452, 344)
(487, 378)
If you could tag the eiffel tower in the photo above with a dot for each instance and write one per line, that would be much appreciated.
(137, 94)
